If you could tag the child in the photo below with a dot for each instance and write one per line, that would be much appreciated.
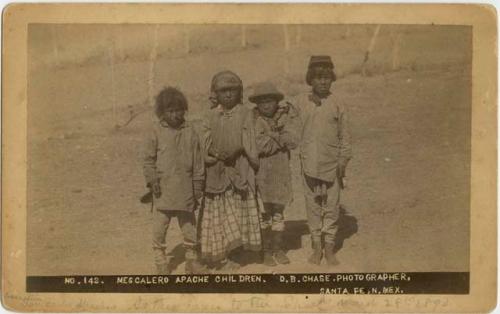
(174, 171)
(275, 136)
(230, 217)
(325, 150)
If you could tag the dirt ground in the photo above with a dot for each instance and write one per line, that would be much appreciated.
(406, 207)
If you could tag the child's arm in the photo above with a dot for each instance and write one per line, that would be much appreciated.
(344, 140)
(206, 142)
(198, 168)
(149, 161)
(289, 134)
(267, 141)
(249, 141)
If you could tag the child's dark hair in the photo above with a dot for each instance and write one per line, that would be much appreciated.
(169, 97)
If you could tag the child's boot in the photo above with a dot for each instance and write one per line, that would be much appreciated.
(228, 265)
(193, 265)
(330, 254)
(267, 248)
(317, 254)
(279, 254)
(269, 259)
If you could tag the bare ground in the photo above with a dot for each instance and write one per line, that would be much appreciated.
(406, 206)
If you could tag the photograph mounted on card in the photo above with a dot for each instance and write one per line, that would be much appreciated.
(223, 158)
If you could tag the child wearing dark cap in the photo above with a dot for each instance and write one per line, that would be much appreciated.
(325, 150)
(174, 171)
(275, 137)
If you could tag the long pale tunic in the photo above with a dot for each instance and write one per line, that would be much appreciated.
(325, 136)
(173, 156)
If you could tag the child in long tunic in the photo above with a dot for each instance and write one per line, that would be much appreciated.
(230, 217)
(174, 171)
(325, 149)
(275, 135)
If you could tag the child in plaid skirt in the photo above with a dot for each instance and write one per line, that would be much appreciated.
(230, 216)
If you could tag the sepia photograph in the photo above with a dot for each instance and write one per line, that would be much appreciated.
(244, 157)
(260, 148)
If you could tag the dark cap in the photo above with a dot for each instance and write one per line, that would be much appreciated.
(324, 62)
(320, 60)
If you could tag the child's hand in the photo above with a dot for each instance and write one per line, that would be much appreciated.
(223, 156)
(341, 167)
(155, 188)
(340, 171)
(218, 154)
(198, 187)
(274, 134)
(277, 128)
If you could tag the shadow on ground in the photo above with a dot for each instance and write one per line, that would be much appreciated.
(348, 226)
(294, 230)
(176, 256)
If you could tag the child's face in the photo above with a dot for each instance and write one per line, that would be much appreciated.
(174, 116)
(267, 106)
(322, 81)
(228, 97)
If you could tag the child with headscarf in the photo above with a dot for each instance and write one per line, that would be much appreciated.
(230, 216)
(325, 150)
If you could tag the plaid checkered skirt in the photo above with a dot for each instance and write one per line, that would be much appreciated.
(230, 220)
